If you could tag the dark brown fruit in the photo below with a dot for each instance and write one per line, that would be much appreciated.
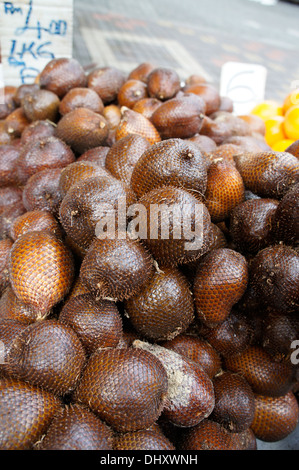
(81, 98)
(47, 354)
(41, 105)
(132, 122)
(251, 224)
(75, 427)
(82, 129)
(278, 333)
(41, 191)
(232, 336)
(172, 162)
(286, 218)
(8, 105)
(7, 217)
(161, 229)
(179, 117)
(142, 71)
(78, 171)
(32, 221)
(225, 190)
(234, 402)
(61, 75)
(92, 207)
(207, 435)
(163, 307)
(268, 174)
(9, 155)
(274, 276)
(264, 375)
(126, 388)
(116, 268)
(131, 92)
(222, 125)
(208, 93)
(293, 148)
(144, 439)
(23, 90)
(163, 83)
(5, 247)
(106, 81)
(190, 396)
(123, 156)
(198, 350)
(147, 106)
(41, 270)
(36, 131)
(275, 417)
(26, 412)
(50, 152)
(10, 328)
(96, 155)
(97, 323)
(220, 282)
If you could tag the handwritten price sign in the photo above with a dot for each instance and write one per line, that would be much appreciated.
(32, 34)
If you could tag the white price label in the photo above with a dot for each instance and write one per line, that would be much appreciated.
(32, 33)
(244, 83)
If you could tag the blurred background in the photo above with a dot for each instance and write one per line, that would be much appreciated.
(192, 36)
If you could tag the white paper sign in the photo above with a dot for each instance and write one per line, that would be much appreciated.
(244, 83)
(32, 33)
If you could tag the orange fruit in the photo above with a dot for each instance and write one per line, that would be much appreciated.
(292, 99)
(291, 123)
(267, 109)
(282, 145)
(274, 130)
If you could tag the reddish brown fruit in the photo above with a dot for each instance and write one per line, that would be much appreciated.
(162, 231)
(264, 375)
(123, 156)
(132, 268)
(9, 195)
(75, 427)
(268, 174)
(16, 122)
(220, 282)
(208, 93)
(97, 323)
(274, 276)
(91, 209)
(251, 224)
(179, 117)
(10, 328)
(8, 105)
(61, 75)
(275, 417)
(132, 122)
(207, 435)
(82, 129)
(147, 106)
(293, 148)
(163, 307)
(248, 143)
(234, 402)
(163, 83)
(279, 331)
(225, 152)
(7, 217)
(41, 191)
(172, 162)
(142, 71)
(23, 90)
(225, 190)
(198, 350)
(144, 439)
(49, 355)
(256, 123)
(5, 247)
(106, 81)
(41, 105)
(96, 155)
(205, 143)
(190, 396)
(222, 125)
(13, 308)
(131, 92)
(81, 98)
(9, 155)
(41, 270)
(32, 221)
(125, 387)
(39, 155)
(78, 171)
(26, 412)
